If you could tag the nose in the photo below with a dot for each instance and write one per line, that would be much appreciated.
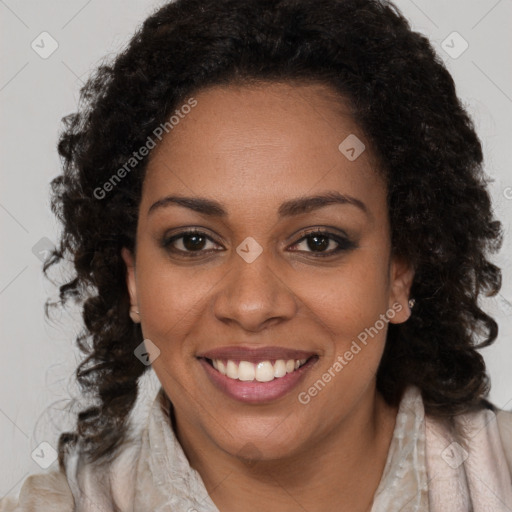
(254, 295)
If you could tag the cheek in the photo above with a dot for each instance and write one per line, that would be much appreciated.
(347, 307)
(348, 299)
(171, 300)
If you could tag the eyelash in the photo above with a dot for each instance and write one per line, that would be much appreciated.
(344, 243)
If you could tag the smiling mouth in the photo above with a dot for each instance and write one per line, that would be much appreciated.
(262, 371)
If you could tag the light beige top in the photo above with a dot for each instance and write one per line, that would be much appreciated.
(426, 470)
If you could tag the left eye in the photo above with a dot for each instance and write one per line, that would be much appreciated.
(319, 242)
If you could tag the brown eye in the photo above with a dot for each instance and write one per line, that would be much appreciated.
(323, 243)
(193, 242)
(318, 242)
(189, 242)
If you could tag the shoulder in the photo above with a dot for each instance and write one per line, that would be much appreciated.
(111, 482)
(42, 492)
(54, 491)
(504, 421)
(491, 427)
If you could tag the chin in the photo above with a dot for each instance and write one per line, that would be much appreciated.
(273, 441)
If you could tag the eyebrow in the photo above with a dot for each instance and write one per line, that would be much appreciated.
(287, 209)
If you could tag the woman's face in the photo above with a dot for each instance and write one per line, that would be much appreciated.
(255, 289)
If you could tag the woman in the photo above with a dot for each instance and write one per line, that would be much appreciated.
(280, 208)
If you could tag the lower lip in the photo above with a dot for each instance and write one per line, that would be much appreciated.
(255, 392)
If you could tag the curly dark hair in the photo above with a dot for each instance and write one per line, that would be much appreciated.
(403, 98)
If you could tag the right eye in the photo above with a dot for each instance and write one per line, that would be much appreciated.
(190, 243)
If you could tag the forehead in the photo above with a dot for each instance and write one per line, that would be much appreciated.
(249, 142)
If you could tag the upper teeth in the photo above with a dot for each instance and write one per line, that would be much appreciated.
(263, 371)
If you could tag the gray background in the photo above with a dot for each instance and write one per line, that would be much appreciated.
(38, 357)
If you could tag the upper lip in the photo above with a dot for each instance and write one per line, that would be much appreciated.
(255, 354)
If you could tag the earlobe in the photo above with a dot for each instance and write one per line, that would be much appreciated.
(402, 276)
(131, 284)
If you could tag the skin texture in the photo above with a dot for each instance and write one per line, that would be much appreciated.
(251, 148)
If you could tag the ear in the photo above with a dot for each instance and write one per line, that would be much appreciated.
(131, 284)
(401, 275)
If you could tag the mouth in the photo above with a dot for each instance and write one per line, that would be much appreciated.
(256, 375)
(262, 371)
